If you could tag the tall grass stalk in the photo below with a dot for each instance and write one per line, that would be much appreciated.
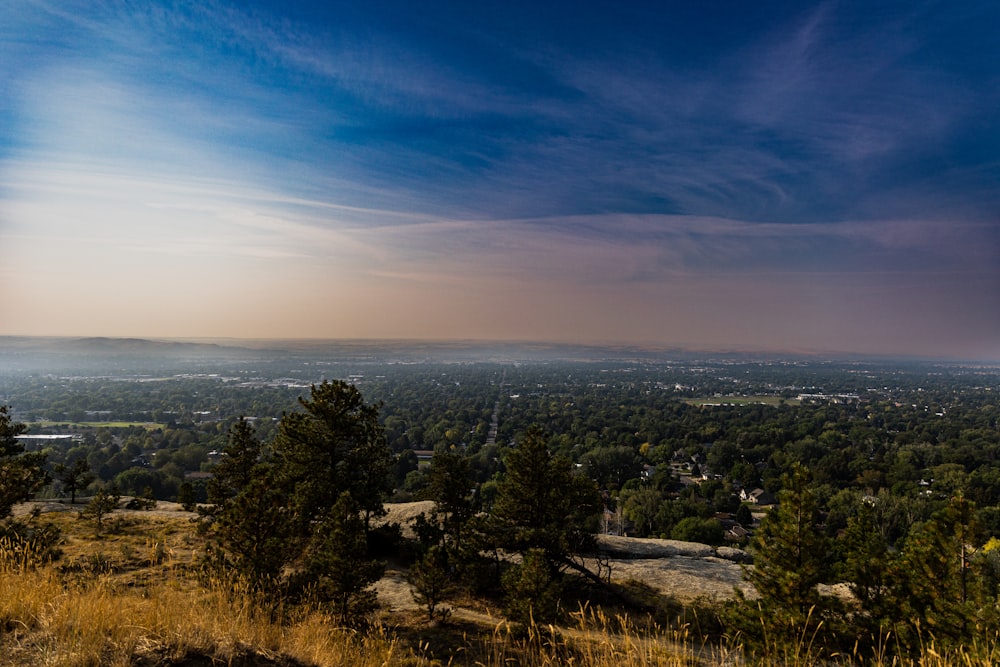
(102, 622)
(47, 619)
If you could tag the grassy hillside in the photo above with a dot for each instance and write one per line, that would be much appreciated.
(135, 595)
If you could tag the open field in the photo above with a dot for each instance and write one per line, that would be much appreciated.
(150, 426)
(708, 401)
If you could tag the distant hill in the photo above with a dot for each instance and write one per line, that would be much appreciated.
(53, 354)
(45, 354)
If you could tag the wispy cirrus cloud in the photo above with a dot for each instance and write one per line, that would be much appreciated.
(588, 165)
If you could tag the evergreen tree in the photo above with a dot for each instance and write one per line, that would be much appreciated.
(936, 586)
(254, 535)
(744, 516)
(873, 572)
(307, 507)
(430, 580)
(335, 445)
(21, 473)
(531, 593)
(869, 566)
(337, 569)
(186, 496)
(74, 477)
(542, 505)
(102, 503)
(790, 559)
(237, 468)
(451, 490)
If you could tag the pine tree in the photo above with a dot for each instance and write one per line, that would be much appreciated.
(430, 580)
(101, 504)
(21, 473)
(237, 468)
(336, 445)
(74, 477)
(542, 505)
(450, 488)
(790, 559)
(307, 507)
(868, 565)
(936, 582)
(337, 568)
(254, 536)
(531, 593)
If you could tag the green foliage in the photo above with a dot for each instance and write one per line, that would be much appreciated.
(744, 516)
(186, 496)
(101, 504)
(306, 509)
(937, 584)
(868, 566)
(694, 529)
(431, 581)
(541, 505)
(915, 435)
(134, 482)
(74, 477)
(451, 489)
(254, 537)
(641, 507)
(336, 568)
(611, 467)
(790, 560)
(335, 445)
(21, 473)
(144, 502)
(531, 592)
(237, 468)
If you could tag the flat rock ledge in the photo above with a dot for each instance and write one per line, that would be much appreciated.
(627, 548)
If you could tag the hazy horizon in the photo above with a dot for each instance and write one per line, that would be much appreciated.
(481, 349)
(808, 178)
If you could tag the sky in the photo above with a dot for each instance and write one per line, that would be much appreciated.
(782, 176)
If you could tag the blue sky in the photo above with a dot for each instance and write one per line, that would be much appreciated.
(782, 176)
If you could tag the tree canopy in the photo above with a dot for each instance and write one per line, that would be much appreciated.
(21, 472)
(308, 502)
(543, 505)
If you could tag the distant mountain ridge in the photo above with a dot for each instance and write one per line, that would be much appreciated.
(136, 344)
(402, 350)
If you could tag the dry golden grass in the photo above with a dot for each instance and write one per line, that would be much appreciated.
(132, 597)
(101, 622)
